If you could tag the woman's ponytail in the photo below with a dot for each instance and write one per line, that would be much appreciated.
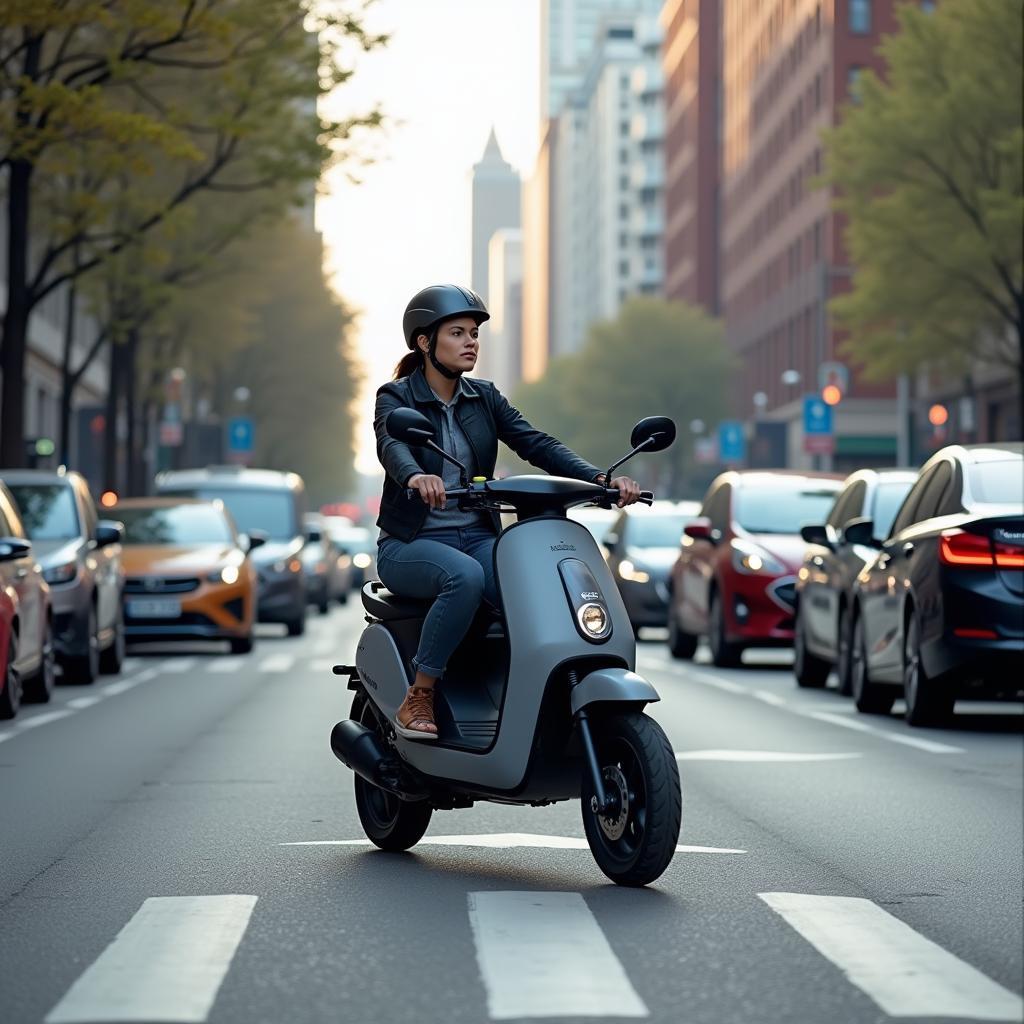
(410, 362)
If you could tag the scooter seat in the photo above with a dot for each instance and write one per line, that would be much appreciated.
(382, 604)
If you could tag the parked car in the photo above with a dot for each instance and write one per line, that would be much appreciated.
(824, 586)
(939, 612)
(80, 555)
(328, 569)
(642, 544)
(359, 544)
(26, 618)
(188, 572)
(262, 502)
(735, 578)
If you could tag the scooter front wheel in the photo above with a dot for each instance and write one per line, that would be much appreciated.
(634, 840)
(388, 822)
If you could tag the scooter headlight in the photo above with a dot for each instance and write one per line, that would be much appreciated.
(594, 619)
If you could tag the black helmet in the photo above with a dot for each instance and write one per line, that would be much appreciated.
(427, 308)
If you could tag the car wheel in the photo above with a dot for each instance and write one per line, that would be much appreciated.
(680, 644)
(323, 607)
(38, 687)
(929, 701)
(112, 658)
(343, 597)
(870, 698)
(844, 666)
(723, 653)
(83, 669)
(242, 644)
(296, 627)
(10, 695)
(811, 671)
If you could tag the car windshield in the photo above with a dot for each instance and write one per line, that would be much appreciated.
(781, 509)
(273, 512)
(598, 525)
(351, 539)
(998, 483)
(888, 498)
(47, 510)
(174, 524)
(654, 531)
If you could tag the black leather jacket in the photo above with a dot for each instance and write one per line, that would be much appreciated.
(486, 417)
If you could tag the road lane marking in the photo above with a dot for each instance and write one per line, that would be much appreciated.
(80, 703)
(113, 689)
(166, 964)
(760, 756)
(178, 664)
(719, 684)
(504, 841)
(910, 741)
(322, 664)
(277, 663)
(769, 698)
(906, 974)
(42, 719)
(226, 664)
(543, 954)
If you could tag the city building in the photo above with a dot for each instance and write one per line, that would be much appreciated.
(788, 67)
(537, 256)
(497, 196)
(501, 354)
(692, 68)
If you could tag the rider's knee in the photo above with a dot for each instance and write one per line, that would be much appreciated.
(467, 578)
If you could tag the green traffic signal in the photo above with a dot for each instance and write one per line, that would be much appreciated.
(44, 446)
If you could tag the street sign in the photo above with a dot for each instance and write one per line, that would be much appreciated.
(240, 435)
(834, 375)
(819, 438)
(732, 445)
(705, 451)
(171, 433)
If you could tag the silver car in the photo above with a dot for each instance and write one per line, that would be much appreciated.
(80, 555)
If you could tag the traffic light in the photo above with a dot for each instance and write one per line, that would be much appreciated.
(831, 394)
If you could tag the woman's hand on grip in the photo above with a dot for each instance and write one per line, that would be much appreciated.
(430, 488)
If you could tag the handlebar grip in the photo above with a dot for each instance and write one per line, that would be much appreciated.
(647, 497)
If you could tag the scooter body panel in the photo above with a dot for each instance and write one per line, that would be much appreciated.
(381, 669)
(611, 684)
(542, 634)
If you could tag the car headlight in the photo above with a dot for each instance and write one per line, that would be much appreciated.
(628, 571)
(63, 573)
(295, 565)
(362, 560)
(750, 559)
(229, 574)
(593, 618)
(280, 566)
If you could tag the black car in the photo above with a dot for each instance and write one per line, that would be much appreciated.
(824, 586)
(940, 609)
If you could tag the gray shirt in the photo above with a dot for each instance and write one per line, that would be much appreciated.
(454, 441)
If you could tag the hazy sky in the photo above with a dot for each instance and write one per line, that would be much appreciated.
(453, 69)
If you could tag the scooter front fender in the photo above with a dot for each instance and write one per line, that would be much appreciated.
(613, 686)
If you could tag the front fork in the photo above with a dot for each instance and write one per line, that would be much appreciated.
(600, 803)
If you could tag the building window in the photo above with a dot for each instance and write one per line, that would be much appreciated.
(852, 75)
(928, 6)
(860, 17)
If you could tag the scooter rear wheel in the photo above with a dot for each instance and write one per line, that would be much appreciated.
(388, 822)
(634, 843)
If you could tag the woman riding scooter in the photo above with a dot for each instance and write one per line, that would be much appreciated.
(428, 549)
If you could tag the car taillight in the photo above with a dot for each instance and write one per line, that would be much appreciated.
(973, 550)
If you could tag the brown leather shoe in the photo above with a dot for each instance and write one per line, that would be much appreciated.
(414, 720)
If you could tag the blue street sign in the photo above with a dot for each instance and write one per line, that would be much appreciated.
(240, 434)
(732, 445)
(817, 416)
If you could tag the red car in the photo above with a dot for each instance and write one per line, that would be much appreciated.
(27, 663)
(735, 578)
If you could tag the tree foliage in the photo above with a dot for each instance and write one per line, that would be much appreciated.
(928, 166)
(655, 358)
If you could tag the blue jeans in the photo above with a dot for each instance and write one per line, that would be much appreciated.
(455, 567)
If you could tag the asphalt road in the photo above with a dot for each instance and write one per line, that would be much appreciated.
(185, 847)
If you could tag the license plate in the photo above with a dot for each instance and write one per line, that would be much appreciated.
(154, 608)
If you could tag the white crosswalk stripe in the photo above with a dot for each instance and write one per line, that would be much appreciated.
(179, 664)
(224, 665)
(167, 963)
(542, 954)
(277, 663)
(906, 974)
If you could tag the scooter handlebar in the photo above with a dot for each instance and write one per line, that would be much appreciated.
(646, 497)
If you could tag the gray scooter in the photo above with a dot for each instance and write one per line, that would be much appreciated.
(540, 706)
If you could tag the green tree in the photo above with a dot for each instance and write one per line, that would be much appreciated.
(178, 97)
(655, 358)
(928, 166)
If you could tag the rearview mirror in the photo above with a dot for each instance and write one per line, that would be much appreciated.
(816, 533)
(254, 539)
(14, 547)
(654, 433)
(313, 537)
(860, 531)
(109, 532)
(409, 427)
(700, 529)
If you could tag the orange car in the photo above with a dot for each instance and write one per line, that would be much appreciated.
(188, 575)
